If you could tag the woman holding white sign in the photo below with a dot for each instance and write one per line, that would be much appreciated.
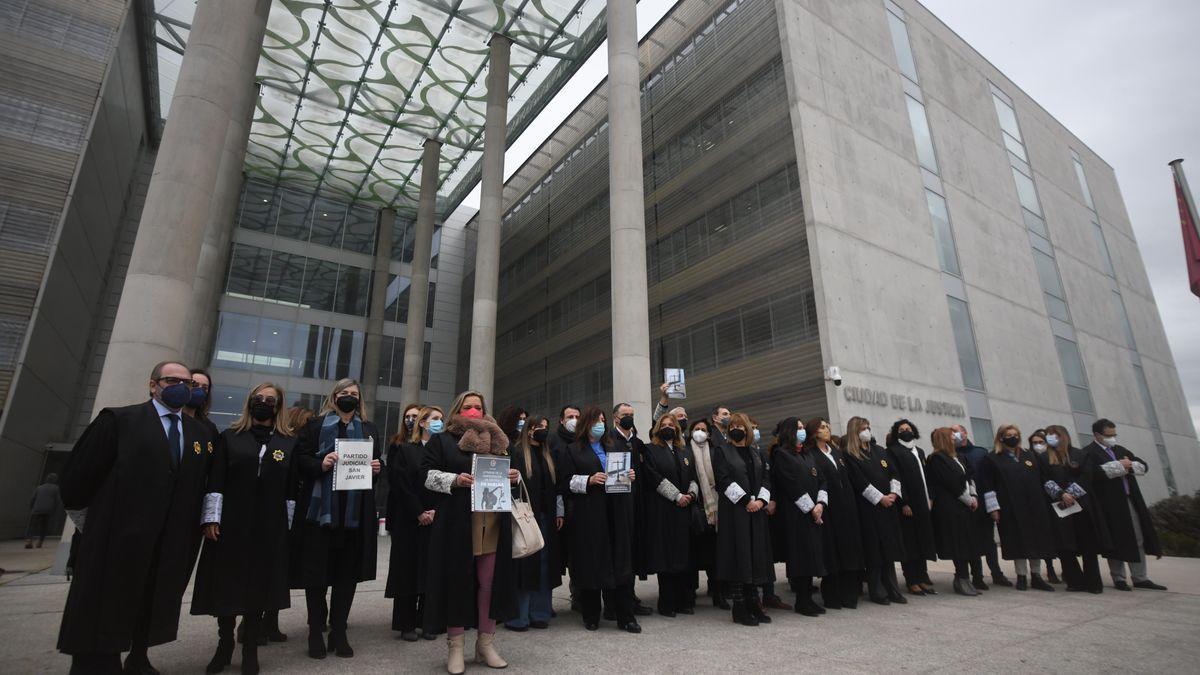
(470, 580)
(333, 544)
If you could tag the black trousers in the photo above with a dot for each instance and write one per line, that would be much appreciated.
(915, 572)
(881, 579)
(619, 599)
(408, 612)
(37, 527)
(840, 589)
(961, 569)
(337, 612)
(1088, 577)
(674, 592)
(95, 664)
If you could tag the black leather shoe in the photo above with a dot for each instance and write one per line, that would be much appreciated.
(139, 665)
(685, 610)
(1022, 583)
(1121, 586)
(409, 636)
(539, 625)
(591, 626)
(896, 598)
(667, 613)
(516, 629)
(631, 627)
(929, 589)
(339, 644)
(316, 644)
(1001, 580)
(222, 657)
(1036, 581)
(880, 600)
(979, 584)
(1149, 585)
(642, 610)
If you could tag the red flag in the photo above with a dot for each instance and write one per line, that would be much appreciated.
(1191, 233)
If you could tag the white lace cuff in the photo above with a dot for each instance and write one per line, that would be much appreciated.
(1113, 469)
(990, 502)
(560, 509)
(1139, 469)
(735, 492)
(805, 503)
(579, 484)
(440, 481)
(1052, 489)
(971, 488)
(211, 513)
(668, 491)
(764, 494)
(966, 496)
(823, 497)
(872, 494)
(895, 488)
(693, 489)
(291, 511)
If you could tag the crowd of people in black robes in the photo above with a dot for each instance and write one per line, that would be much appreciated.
(153, 487)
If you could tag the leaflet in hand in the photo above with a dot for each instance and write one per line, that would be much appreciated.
(676, 385)
(491, 489)
(617, 478)
(1063, 510)
(352, 471)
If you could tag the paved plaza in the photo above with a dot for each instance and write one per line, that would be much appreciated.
(1003, 631)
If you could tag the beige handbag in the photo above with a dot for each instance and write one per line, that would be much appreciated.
(526, 535)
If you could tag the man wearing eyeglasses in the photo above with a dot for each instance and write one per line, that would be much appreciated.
(138, 474)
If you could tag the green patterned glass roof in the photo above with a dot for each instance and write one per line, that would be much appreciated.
(352, 88)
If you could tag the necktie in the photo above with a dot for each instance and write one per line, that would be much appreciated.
(1124, 479)
(173, 436)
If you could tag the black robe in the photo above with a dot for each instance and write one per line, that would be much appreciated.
(642, 494)
(1024, 512)
(882, 542)
(841, 536)
(543, 495)
(916, 529)
(703, 544)
(983, 530)
(245, 570)
(407, 500)
(559, 440)
(743, 538)
(1083, 533)
(666, 527)
(312, 545)
(794, 474)
(450, 583)
(600, 538)
(142, 505)
(953, 520)
(1109, 494)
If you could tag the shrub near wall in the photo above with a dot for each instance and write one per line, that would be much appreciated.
(1177, 520)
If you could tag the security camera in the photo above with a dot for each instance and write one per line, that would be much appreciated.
(833, 374)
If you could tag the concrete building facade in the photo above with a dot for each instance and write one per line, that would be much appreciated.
(845, 184)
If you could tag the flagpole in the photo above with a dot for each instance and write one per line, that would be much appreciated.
(1177, 168)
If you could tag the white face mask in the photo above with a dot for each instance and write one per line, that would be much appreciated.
(1109, 441)
(1040, 447)
(570, 425)
(958, 437)
(1052, 440)
(864, 435)
(699, 436)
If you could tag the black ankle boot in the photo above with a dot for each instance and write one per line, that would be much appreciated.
(224, 653)
(271, 627)
(1022, 583)
(339, 644)
(756, 610)
(742, 614)
(1036, 581)
(316, 643)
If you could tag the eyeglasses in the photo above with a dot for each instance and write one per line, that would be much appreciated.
(269, 400)
(172, 381)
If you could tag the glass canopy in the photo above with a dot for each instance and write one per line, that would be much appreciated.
(352, 88)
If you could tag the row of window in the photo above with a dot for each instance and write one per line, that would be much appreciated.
(293, 279)
(273, 346)
(391, 362)
(593, 297)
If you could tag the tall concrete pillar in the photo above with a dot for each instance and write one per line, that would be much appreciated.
(487, 244)
(214, 251)
(418, 289)
(373, 349)
(155, 313)
(627, 221)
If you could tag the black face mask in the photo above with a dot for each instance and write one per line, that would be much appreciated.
(737, 435)
(683, 423)
(347, 404)
(409, 422)
(1011, 442)
(626, 422)
(906, 436)
(539, 435)
(261, 411)
(667, 434)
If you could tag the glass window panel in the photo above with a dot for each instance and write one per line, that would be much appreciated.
(1048, 274)
(964, 341)
(349, 353)
(756, 328)
(359, 235)
(981, 432)
(787, 318)
(248, 271)
(773, 188)
(1139, 376)
(1035, 223)
(942, 233)
(1056, 308)
(353, 290)
(1105, 258)
(745, 208)
(273, 350)
(327, 220)
(320, 284)
(1083, 184)
(1081, 399)
(258, 208)
(294, 216)
(286, 277)
(226, 405)
(921, 134)
(1072, 364)
(1026, 192)
(1008, 118)
(436, 247)
(1040, 243)
(1125, 325)
(425, 365)
(403, 231)
(729, 339)
(704, 348)
(1015, 147)
(718, 228)
(904, 55)
(235, 343)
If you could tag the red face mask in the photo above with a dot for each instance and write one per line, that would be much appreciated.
(473, 413)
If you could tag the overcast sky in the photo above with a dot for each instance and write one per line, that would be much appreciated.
(1123, 76)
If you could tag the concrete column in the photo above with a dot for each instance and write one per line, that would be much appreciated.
(627, 221)
(418, 289)
(487, 244)
(214, 251)
(156, 311)
(373, 349)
